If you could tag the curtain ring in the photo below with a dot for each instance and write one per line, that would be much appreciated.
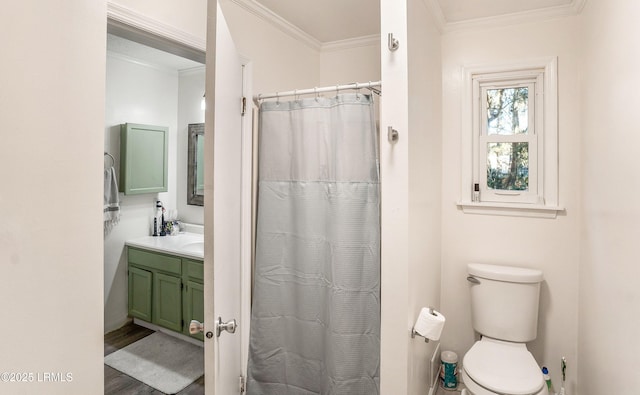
(277, 98)
(315, 90)
(357, 92)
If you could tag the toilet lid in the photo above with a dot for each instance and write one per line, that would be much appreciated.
(503, 367)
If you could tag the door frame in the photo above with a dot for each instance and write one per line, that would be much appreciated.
(249, 189)
(134, 26)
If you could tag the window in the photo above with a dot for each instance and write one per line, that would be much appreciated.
(510, 139)
(505, 136)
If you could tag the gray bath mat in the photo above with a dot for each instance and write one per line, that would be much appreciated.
(160, 361)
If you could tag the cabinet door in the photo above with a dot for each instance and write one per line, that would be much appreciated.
(193, 305)
(143, 158)
(167, 301)
(140, 285)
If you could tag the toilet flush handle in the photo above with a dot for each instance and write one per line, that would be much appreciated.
(473, 280)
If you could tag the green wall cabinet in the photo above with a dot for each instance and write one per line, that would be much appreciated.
(143, 158)
(165, 290)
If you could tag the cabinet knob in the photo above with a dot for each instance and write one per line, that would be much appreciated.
(195, 327)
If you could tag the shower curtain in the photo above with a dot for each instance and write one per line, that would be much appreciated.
(315, 320)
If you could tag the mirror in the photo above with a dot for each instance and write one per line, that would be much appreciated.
(195, 165)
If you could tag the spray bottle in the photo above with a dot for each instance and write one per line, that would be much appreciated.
(547, 378)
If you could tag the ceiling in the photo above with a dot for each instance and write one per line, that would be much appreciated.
(329, 20)
(336, 20)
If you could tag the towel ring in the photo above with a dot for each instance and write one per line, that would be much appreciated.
(113, 160)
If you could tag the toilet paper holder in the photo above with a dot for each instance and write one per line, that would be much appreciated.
(414, 333)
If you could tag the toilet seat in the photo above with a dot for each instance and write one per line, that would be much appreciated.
(503, 367)
(473, 388)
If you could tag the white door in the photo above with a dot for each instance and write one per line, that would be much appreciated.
(223, 209)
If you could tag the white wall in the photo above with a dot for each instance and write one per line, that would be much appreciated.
(346, 65)
(394, 206)
(425, 169)
(52, 111)
(135, 93)
(551, 245)
(609, 294)
(280, 62)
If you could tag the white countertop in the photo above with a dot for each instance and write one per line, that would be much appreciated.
(188, 245)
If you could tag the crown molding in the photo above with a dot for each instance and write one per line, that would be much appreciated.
(193, 70)
(127, 18)
(364, 41)
(572, 9)
(436, 14)
(138, 62)
(276, 20)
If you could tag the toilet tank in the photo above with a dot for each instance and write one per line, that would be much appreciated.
(504, 301)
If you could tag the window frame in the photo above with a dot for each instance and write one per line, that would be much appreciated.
(541, 200)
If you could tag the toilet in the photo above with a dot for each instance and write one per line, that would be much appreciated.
(504, 311)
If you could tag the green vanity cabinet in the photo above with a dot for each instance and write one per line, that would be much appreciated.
(166, 290)
(193, 301)
(143, 158)
(167, 301)
(140, 284)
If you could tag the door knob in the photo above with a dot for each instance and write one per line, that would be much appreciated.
(229, 326)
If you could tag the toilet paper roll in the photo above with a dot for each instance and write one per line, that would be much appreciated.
(429, 324)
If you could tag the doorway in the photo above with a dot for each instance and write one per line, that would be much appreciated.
(150, 80)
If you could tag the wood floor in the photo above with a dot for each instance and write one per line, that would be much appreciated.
(118, 383)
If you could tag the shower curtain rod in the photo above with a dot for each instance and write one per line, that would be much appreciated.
(336, 88)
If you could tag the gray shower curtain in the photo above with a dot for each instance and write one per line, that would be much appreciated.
(315, 320)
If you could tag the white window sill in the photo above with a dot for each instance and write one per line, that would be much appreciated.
(510, 209)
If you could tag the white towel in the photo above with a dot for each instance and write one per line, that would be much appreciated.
(111, 207)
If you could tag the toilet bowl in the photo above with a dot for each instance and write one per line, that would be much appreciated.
(496, 367)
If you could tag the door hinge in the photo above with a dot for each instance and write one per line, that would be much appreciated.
(241, 384)
(243, 108)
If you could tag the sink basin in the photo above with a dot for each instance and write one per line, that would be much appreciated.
(195, 246)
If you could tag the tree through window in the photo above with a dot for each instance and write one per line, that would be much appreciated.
(507, 140)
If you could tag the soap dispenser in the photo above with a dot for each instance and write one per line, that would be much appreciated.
(157, 219)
